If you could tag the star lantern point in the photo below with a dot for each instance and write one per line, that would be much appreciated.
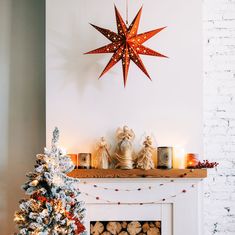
(126, 45)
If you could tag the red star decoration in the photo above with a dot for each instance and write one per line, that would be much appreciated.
(126, 45)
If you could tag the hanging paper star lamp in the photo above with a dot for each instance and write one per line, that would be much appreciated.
(126, 45)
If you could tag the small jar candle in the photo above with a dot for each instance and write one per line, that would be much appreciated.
(164, 157)
(192, 160)
(74, 159)
(84, 160)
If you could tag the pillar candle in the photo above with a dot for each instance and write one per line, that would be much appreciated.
(178, 158)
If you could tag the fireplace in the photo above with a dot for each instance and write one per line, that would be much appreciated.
(177, 214)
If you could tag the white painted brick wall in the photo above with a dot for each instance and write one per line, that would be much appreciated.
(219, 115)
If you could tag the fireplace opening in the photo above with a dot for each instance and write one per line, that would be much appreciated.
(125, 227)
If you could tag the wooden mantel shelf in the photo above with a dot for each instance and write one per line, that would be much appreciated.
(137, 173)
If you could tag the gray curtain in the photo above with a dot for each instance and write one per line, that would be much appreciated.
(22, 99)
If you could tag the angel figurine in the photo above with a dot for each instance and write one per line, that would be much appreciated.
(103, 157)
(124, 154)
(144, 159)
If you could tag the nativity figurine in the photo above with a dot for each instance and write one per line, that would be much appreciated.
(145, 157)
(124, 154)
(103, 158)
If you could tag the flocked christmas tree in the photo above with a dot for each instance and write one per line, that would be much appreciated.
(53, 206)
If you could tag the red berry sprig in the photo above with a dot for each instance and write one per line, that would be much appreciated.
(206, 164)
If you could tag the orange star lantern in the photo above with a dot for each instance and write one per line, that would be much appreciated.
(126, 45)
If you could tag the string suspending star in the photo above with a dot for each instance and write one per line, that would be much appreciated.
(126, 45)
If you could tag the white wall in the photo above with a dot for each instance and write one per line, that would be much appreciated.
(22, 114)
(85, 108)
(219, 115)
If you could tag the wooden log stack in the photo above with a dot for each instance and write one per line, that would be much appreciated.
(125, 228)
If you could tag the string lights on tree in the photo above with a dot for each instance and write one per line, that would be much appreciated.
(53, 206)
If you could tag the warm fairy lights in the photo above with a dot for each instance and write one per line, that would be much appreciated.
(53, 205)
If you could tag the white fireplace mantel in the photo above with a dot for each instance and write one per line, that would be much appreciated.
(180, 215)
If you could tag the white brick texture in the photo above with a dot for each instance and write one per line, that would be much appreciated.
(219, 115)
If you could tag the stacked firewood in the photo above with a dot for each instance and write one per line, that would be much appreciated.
(126, 228)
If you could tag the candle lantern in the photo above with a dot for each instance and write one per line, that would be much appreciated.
(178, 158)
(74, 159)
(192, 160)
(164, 157)
(84, 160)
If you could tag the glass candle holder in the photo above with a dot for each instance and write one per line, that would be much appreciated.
(84, 160)
(74, 159)
(164, 157)
(192, 160)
